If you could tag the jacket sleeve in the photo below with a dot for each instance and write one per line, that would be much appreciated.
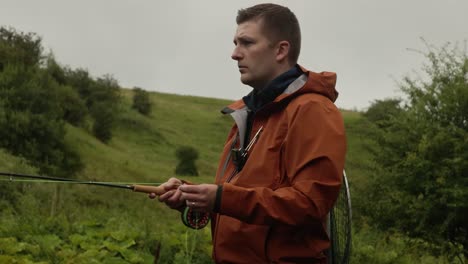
(312, 158)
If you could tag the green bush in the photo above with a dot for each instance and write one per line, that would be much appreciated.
(19, 48)
(31, 119)
(80, 80)
(421, 187)
(382, 111)
(104, 101)
(73, 107)
(187, 156)
(104, 119)
(54, 69)
(141, 101)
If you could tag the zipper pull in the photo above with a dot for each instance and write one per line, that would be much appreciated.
(252, 142)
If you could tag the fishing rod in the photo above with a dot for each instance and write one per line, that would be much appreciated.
(190, 217)
(158, 190)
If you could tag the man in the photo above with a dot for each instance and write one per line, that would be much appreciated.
(281, 168)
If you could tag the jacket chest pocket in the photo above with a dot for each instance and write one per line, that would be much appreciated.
(263, 167)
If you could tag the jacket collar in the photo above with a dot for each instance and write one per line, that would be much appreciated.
(256, 99)
(322, 83)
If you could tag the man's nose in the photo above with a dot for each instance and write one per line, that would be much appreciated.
(236, 54)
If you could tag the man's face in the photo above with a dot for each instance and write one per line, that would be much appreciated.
(255, 55)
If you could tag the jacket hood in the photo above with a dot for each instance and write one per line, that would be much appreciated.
(322, 83)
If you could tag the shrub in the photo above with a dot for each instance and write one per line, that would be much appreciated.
(382, 111)
(187, 156)
(421, 188)
(19, 48)
(73, 107)
(32, 119)
(103, 121)
(141, 101)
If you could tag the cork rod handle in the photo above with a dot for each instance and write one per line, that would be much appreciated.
(158, 190)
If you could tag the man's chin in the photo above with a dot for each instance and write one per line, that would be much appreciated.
(245, 80)
(249, 83)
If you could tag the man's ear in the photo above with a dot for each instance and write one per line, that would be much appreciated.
(282, 50)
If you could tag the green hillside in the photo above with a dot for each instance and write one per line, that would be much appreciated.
(143, 148)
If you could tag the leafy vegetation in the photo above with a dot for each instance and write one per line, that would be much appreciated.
(421, 188)
(31, 114)
(187, 156)
(141, 101)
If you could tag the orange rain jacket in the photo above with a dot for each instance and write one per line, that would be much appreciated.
(274, 210)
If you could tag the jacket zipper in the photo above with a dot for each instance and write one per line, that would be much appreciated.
(234, 172)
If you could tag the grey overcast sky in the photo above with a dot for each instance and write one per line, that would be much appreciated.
(184, 46)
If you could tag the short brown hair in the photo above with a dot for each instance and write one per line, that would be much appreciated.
(279, 24)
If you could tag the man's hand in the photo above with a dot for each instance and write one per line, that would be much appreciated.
(172, 196)
(199, 197)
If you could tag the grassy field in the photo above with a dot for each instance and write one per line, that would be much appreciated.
(64, 223)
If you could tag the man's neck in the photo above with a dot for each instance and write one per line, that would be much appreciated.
(282, 68)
